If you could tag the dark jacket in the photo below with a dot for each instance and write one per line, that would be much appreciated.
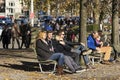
(24, 28)
(6, 36)
(66, 49)
(43, 50)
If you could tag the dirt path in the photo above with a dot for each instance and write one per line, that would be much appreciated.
(22, 65)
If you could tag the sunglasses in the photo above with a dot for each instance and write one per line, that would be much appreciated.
(62, 34)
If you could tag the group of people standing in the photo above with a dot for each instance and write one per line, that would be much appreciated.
(13, 33)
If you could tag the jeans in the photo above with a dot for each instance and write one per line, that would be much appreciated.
(71, 64)
(59, 57)
(79, 50)
(86, 59)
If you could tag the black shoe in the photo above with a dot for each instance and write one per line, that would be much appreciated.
(68, 71)
(80, 70)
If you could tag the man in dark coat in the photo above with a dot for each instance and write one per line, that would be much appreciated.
(5, 37)
(25, 33)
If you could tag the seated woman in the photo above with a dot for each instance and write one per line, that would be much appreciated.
(44, 52)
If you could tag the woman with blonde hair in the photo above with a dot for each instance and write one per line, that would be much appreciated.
(45, 53)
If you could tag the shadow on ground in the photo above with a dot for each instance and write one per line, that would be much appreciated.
(26, 66)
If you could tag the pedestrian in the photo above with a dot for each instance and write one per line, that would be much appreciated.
(15, 35)
(25, 33)
(6, 37)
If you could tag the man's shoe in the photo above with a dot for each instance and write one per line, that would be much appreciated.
(68, 71)
(106, 62)
(80, 70)
(87, 52)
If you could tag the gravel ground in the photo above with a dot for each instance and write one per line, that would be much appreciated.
(22, 65)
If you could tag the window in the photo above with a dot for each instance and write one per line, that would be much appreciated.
(11, 10)
(11, 4)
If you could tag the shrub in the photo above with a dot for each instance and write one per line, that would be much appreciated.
(92, 27)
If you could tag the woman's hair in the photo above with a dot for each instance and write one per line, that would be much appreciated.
(41, 34)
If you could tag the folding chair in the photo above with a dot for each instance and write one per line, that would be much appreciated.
(47, 63)
(95, 56)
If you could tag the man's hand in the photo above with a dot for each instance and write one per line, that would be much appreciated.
(98, 49)
(62, 42)
(82, 44)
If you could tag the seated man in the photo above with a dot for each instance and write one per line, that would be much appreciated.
(64, 48)
(53, 44)
(92, 44)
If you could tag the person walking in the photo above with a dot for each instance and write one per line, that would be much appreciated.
(25, 32)
(15, 35)
(5, 37)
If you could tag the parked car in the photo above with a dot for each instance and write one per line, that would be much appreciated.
(6, 20)
(1, 29)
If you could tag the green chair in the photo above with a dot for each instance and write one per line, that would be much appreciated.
(47, 63)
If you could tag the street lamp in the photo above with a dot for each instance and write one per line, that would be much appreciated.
(32, 14)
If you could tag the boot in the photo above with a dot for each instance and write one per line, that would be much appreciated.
(60, 70)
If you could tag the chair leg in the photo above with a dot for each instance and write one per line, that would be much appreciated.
(101, 57)
(93, 61)
(54, 67)
(40, 67)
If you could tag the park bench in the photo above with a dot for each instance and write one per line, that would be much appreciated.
(46, 63)
(34, 33)
(95, 57)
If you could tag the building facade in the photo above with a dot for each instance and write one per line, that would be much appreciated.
(11, 8)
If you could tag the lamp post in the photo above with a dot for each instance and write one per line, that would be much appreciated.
(32, 14)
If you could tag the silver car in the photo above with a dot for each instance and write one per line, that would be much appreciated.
(1, 29)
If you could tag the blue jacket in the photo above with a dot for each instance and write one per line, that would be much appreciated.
(91, 43)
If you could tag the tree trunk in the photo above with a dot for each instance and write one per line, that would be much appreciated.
(97, 12)
(115, 24)
(83, 18)
(115, 27)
